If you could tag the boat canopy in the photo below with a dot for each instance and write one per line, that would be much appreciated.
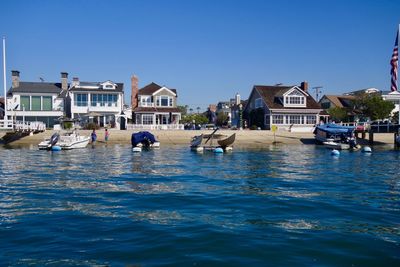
(142, 137)
(335, 129)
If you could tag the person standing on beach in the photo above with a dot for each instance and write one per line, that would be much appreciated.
(93, 136)
(106, 135)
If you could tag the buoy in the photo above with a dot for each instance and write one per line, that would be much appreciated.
(366, 149)
(218, 150)
(55, 148)
(137, 149)
(335, 152)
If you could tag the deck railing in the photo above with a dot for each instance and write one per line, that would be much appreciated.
(22, 126)
(155, 127)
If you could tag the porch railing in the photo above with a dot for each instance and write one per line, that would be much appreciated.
(155, 127)
(22, 126)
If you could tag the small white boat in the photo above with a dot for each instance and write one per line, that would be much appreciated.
(336, 145)
(67, 141)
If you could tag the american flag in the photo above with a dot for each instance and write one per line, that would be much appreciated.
(394, 63)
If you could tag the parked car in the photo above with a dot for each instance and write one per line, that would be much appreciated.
(362, 127)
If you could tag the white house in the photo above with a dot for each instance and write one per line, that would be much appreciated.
(100, 102)
(288, 107)
(392, 97)
(36, 101)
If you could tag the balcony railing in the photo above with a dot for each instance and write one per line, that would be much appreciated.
(155, 127)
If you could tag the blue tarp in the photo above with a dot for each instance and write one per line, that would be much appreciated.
(335, 129)
(145, 138)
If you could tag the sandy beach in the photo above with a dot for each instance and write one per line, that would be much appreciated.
(244, 138)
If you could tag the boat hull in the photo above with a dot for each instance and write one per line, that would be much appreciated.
(67, 142)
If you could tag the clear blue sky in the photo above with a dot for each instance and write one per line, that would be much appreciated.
(207, 49)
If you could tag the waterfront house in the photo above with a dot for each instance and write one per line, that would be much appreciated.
(345, 102)
(154, 107)
(36, 101)
(288, 107)
(97, 102)
(392, 97)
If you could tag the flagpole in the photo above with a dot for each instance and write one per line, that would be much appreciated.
(4, 79)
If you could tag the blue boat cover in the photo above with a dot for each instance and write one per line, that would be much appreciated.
(335, 128)
(144, 137)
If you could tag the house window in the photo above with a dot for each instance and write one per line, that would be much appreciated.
(145, 101)
(36, 105)
(294, 119)
(326, 105)
(103, 100)
(47, 103)
(258, 103)
(81, 100)
(277, 119)
(25, 103)
(295, 100)
(147, 118)
(164, 101)
(311, 119)
(93, 100)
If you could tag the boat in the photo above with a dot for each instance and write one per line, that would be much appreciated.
(66, 141)
(227, 142)
(142, 140)
(207, 142)
(336, 136)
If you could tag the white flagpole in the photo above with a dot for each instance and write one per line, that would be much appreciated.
(4, 78)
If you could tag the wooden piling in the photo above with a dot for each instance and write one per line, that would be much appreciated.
(371, 138)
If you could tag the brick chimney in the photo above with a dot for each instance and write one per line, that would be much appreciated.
(304, 86)
(134, 91)
(64, 80)
(15, 78)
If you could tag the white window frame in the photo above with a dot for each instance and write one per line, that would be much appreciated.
(277, 119)
(258, 103)
(147, 119)
(311, 119)
(295, 99)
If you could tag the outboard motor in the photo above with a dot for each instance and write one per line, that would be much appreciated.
(54, 139)
(352, 143)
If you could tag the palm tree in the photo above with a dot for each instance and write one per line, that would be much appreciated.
(191, 110)
(198, 110)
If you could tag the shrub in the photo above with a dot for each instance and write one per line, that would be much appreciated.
(67, 125)
(91, 126)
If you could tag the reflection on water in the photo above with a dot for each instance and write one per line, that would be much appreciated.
(110, 199)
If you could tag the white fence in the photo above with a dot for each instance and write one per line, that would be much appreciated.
(154, 127)
(22, 126)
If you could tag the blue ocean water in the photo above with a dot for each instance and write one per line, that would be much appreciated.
(280, 205)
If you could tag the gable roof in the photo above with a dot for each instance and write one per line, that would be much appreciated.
(36, 87)
(152, 88)
(272, 94)
(341, 101)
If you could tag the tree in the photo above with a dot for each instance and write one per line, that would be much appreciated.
(197, 118)
(183, 109)
(191, 110)
(198, 110)
(338, 114)
(373, 106)
(222, 118)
